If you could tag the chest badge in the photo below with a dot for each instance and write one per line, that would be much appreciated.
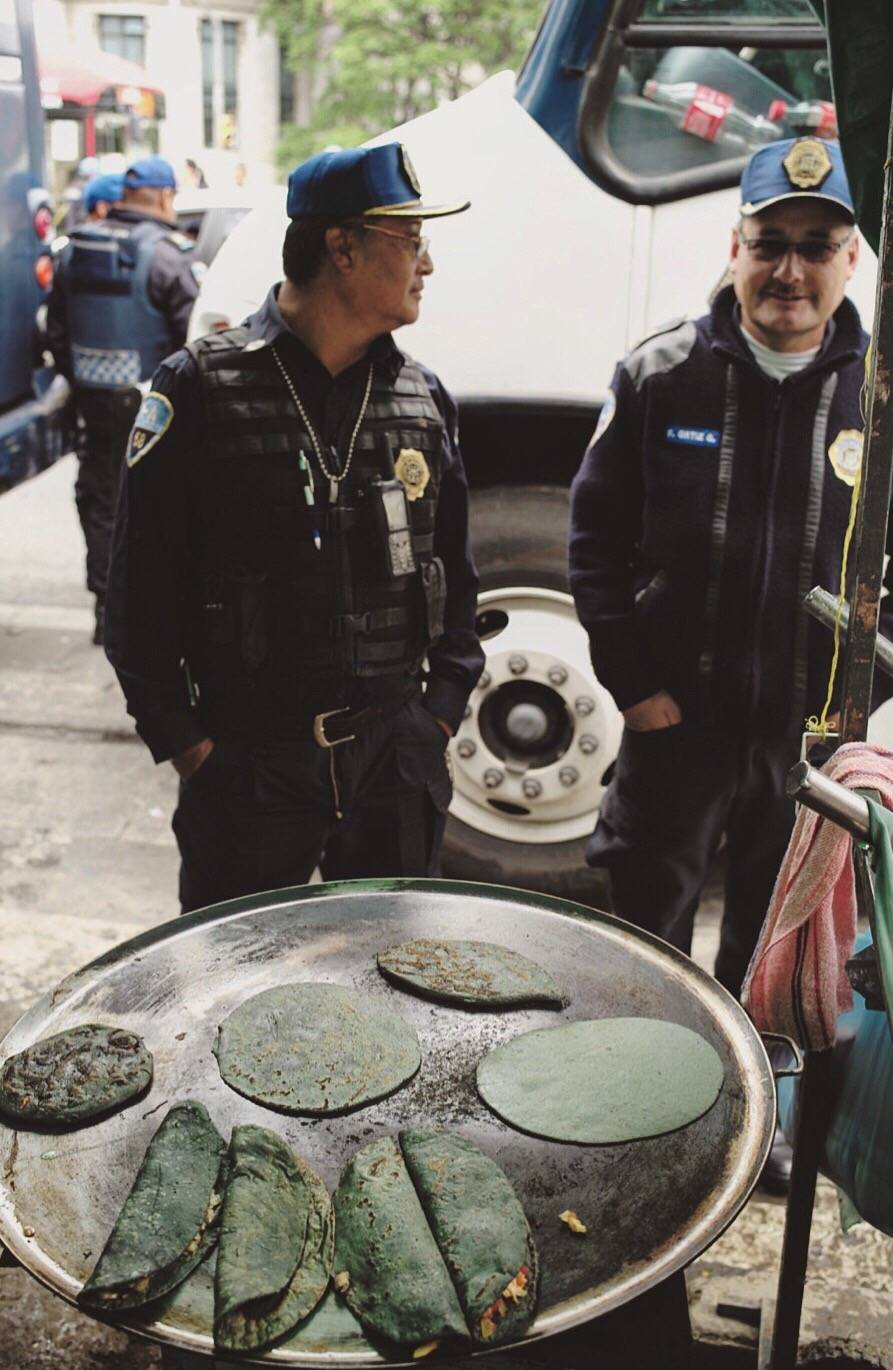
(845, 455)
(411, 470)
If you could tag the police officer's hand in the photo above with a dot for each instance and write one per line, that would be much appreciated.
(187, 763)
(658, 711)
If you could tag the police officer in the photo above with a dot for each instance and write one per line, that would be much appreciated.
(291, 546)
(121, 298)
(102, 194)
(715, 493)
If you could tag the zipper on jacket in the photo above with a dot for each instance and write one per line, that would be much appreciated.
(763, 552)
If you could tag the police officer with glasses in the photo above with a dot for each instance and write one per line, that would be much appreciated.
(292, 601)
(716, 491)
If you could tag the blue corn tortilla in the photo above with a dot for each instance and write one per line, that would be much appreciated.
(387, 1264)
(276, 1244)
(471, 974)
(81, 1073)
(606, 1080)
(315, 1049)
(432, 1245)
(481, 1232)
(168, 1222)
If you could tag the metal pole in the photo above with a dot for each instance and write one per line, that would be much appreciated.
(871, 536)
(822, 605)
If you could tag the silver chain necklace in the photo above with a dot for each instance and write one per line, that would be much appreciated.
(331, 476)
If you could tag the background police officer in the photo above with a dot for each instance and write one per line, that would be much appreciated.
(121, 299)
(291, 545)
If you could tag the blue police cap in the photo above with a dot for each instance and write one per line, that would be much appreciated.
(793, 168)
(351, 183)
(151, 173)
(108, 188)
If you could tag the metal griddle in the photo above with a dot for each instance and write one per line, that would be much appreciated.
(650, 1206)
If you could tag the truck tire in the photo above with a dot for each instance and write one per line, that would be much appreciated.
(537, 668)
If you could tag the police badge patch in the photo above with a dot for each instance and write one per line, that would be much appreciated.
(409, 170)
(845, 455)
(808, 163)
(151, 423)
(411, 470)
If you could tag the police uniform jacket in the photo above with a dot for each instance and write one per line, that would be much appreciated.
(171, 288)
(710, 500)
(220, 414)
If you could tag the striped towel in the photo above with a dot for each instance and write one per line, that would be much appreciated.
(796, 982)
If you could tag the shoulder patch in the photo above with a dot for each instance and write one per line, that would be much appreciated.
(151, 423)
(661, 352)
(607, 413)
(180, 240)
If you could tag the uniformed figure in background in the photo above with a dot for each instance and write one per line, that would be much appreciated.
(122, 294)
(291, 546)
(102, 194)
(715, 493)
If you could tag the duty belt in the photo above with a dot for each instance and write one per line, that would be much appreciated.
(334, 726)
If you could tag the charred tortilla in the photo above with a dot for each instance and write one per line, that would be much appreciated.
(77, 1074)
(398, 1285)
(472, 974)
(605, 1080)
(480, 1229)
(276, 1245)
(432, 1245)
(315, 1049)
(167, 1224)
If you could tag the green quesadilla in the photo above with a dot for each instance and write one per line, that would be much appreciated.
(605, 1080)
(276, 1245)
(315, 1049)
(396, 1281)
(480, 1229)
(432, 1244)
(77, 1074)
(473, 974)
(167, 1225)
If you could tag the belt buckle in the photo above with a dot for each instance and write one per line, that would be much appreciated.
(319, 728)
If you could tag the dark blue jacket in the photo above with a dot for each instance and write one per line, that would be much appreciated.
(706, 506)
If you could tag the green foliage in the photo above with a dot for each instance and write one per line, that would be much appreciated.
(379, 63)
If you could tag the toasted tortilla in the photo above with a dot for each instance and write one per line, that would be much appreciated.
(396, 1281)
(605, 1080)
(276, 1245)
(480, 1229)
(315, 1049)
(473, 974)
(168, 1223)
(74, 1075)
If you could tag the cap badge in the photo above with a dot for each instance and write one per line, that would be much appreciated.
(845, 455)
(410, 171)
(808, 163)
(411, 470)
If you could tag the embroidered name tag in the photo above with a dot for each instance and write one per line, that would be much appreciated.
(694, 437)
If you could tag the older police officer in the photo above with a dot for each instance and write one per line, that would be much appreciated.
(121, 298)
(291, 546)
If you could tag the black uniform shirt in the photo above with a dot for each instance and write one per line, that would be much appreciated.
(157, 523)
(171, 287)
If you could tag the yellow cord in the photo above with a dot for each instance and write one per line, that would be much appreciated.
(820, 725)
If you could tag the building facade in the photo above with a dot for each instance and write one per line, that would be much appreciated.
(223, 85)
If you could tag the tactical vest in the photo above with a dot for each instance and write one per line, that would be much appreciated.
(118, 337)
(271, 598)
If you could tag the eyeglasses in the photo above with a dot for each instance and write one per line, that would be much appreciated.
(418, 246)
(815, 251)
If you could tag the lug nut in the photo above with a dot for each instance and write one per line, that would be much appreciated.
(485, 680)
(568, 775)
(584, 707)
(532, 789)
(517, 664)
(466, 748)
(493, 777)
(588, 744)
(557, 675)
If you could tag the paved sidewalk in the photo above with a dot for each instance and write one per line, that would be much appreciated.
(87, 859)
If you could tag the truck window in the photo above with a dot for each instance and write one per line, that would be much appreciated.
(681, 92)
